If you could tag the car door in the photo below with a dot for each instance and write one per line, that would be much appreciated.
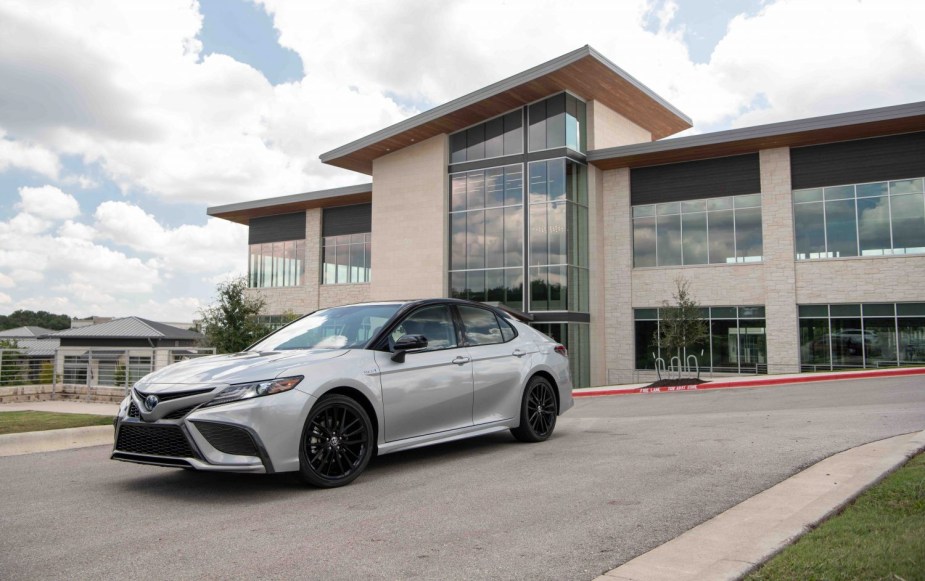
(431, 391)
(499, 363)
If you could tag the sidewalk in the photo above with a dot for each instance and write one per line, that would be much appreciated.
(750, 381)
(732, 544)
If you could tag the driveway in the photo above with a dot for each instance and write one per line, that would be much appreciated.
(621, 476)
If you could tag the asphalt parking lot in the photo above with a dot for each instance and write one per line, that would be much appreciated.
(621, 476)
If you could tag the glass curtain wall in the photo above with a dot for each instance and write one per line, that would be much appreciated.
(871, 219)
(861, 335)
(487, 235)
(737, 341)
(708, 231)
(346, 259)
(276, 264)
(558, 236)
(504, 233)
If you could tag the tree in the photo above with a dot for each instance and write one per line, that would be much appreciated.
(680, 325)
(230, 324)
(21, 318)
(12, 363)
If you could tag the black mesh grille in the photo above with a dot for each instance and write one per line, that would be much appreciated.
(228, 439)
(180, 413)
(157, 440)
(173, 394)
(133, 410)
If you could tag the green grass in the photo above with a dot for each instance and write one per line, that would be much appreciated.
(881, 536)
(29, 421)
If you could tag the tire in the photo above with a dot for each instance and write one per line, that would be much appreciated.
(337, 442)
(538, 411)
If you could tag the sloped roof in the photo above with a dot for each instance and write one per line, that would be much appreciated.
(895, 119)
(27, 332)
(242, 212)
(585, 72)
(38, 347)
(131, 328)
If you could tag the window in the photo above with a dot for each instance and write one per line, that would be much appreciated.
(435, 323)
(487, 235)
(480, 326)
(496, 137)
(861, 335)
(709, 231)
(558, 249)
(276, 264)
(558, 121)
(872, 219)
(736, 340)
(346, 259)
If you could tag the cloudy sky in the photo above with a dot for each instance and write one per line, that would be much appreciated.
(120, 122)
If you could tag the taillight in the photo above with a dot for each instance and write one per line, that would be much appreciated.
(561, 350)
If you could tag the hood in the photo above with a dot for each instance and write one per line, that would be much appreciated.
(236, 367)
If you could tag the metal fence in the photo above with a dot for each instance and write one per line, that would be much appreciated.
(97, 367)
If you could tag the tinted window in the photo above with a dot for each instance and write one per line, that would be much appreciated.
(507, 330)
(435, 323)
(481, 326)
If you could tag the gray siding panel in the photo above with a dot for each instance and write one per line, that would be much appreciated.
(342, 220)
(862, 160)
(692, 180)
(276, 228)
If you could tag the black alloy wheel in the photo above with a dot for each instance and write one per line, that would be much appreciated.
(538, 412)
(337, 442)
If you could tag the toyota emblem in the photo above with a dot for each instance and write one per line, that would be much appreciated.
(151, 401)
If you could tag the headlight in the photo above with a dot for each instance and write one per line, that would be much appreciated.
(243, 391)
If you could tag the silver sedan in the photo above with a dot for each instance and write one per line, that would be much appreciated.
(327, 392)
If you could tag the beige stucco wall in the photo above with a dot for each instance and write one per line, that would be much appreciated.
(334, 295)
(596, 262)
(607, 128)
(874, 279)
(711, 285)
(409, 239)
(618, 280)
(781, 326)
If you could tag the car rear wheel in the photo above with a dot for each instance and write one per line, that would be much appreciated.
(337, 442)
(537, 412)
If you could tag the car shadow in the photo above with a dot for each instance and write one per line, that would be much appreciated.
(226, 487)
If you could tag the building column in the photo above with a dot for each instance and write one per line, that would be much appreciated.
(597, 276)
(617, 243)
(782, 328)
(311, 279)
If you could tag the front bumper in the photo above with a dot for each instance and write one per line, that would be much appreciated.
(259, 435)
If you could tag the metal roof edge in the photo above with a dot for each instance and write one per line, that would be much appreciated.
(489, 91)
(291, 199)
(760, 131)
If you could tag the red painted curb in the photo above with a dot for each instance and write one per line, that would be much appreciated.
(756, 382)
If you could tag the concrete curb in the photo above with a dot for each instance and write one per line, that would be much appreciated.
(51, 440)
(737, 541)
(789, 379)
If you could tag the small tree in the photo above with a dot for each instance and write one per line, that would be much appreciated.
(12, 363)
(680, 324)
(230, 324)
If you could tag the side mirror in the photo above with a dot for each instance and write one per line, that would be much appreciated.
(407, 343)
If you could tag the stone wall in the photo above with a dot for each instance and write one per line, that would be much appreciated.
(607, 128)
(333, 295)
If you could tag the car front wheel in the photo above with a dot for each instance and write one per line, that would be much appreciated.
(537, 411)
(337, 442)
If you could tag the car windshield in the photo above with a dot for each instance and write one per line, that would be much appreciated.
(336, 328)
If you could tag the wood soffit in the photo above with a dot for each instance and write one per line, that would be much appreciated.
(754, 144)
(587, 77)
(244, 216)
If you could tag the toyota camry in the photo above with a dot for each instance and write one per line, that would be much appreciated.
(324, 394)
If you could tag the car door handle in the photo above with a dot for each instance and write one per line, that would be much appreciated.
(518, 353)
(460, 360)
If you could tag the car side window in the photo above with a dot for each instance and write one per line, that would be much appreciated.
(480, 326)
(435, 323)
(507, 330)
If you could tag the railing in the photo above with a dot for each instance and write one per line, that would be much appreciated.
(89, 367)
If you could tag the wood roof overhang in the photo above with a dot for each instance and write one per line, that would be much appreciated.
(242, 212)
(883, 121)
(584, 72)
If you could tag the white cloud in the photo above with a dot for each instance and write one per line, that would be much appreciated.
(48, 202)
(6, 281)
(5, 299)
(71, 229)
(27, 156)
